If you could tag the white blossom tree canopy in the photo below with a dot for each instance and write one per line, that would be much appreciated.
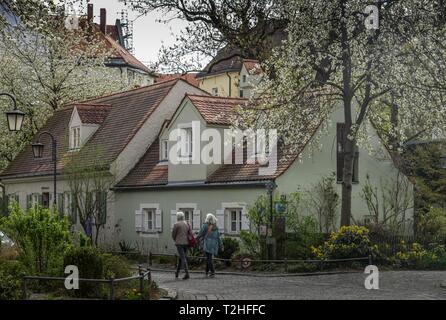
(391, 75)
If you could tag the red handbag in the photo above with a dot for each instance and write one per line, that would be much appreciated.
(190, 237)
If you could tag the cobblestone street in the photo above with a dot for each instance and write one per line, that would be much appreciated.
(405, 285)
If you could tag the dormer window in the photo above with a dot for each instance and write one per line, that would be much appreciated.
(75, 137)
(186, 150)
(164, 150)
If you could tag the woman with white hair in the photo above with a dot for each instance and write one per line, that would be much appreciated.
(210, 235)
(180, 233)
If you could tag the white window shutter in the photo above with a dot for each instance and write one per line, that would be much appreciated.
(159, 220)
(196, 220)
(245, 220)
(138, 220)
(145, 220)
(220, 215)
(173, 218)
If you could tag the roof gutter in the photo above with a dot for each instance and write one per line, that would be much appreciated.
(201, 185)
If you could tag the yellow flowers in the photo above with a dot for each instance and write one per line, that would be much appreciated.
(348, 242)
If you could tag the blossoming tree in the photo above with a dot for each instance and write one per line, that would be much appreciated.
(384, 65)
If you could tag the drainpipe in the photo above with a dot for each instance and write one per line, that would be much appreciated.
(230, 84)
(3, 204)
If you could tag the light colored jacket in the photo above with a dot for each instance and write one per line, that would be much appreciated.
(179, 233)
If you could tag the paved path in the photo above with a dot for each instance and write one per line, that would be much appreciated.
(405, 285)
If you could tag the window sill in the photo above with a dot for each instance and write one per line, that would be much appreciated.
(148, 232)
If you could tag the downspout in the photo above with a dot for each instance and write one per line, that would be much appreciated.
(3, 204)
(230, 84)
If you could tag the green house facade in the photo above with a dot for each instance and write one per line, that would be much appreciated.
(140, 132)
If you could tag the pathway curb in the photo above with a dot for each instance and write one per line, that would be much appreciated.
(264, 275)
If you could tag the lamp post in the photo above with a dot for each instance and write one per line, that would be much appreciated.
(14, 117)
(38, 148)
(270, 187)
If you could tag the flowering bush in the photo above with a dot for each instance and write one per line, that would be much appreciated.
(416, 257)
(348, 242)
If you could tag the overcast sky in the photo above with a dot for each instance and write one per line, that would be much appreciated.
(148, 35)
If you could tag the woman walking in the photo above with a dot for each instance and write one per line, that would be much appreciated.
(180, 232)
(210, 235)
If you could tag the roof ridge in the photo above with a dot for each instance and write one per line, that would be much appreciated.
(216, 97)
(127, 91)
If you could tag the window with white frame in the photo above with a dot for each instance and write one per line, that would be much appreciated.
(215, 92)
(164, 150)
(188, 214)
(244, 78)
(187, 143)
(234, 216)
(149, 220)
(75, 137)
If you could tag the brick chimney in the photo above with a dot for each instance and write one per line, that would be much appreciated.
(90, 14)
(103, 22)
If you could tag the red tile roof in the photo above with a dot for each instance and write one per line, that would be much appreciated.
(216, 110)
(189, 77)
(92, 113)
(127, 112)
(148, 171)
(25, 163)
(253, 66)
(119, 52)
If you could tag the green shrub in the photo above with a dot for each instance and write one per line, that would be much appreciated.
(231, 247)
(41, 238)
(348, 242)
(11, 273)
(195, 257)
(303, 267)
(90, 264)
(165, 260)
(305, 237)
(432, 224)
(250, 243)
(115, 266)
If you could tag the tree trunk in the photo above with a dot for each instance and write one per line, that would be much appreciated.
(96, 236)
(346, 210)
(393, 139)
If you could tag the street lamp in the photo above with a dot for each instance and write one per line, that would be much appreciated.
(270, 187)
(38, 148)
(14, 117)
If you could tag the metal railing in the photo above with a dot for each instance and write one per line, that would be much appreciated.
(285, 261)
(112, 282)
